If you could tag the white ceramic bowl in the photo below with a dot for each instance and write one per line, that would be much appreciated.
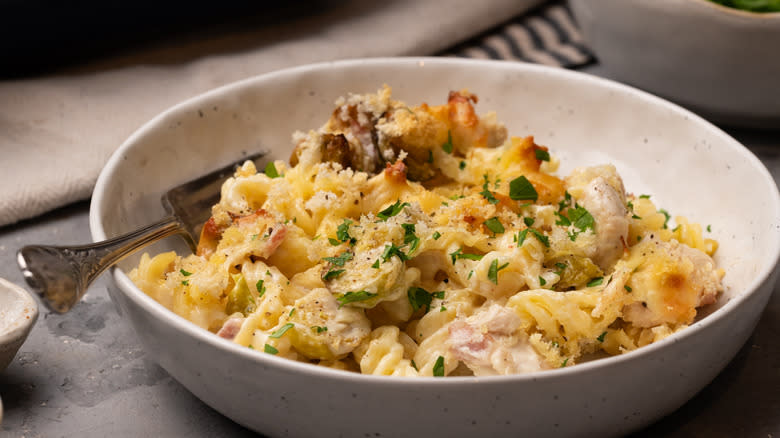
(691, 168)
(18, 313)
(721, 62)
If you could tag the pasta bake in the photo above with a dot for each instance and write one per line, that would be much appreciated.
(425, 241)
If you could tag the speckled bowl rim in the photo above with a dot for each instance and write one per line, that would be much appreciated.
(228, 347)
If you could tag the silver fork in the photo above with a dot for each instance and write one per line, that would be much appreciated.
(61, 275)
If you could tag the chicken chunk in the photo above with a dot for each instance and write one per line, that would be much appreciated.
(671, 281)
(490, 343)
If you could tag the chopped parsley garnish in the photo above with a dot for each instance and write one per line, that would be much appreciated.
(352, 297)
(459, 254)
(542, 155)
(419, 297)
(580, 218)
(486, 193)
(566, 202)
(185, 273)
(561, 266)
(667, 216)
(436, 235)
(414, 365)
(644, 196)
(376, 264)
(185, 282)
(334, 242)
(319, 329)
(291, 312)
(333, 273)
(494, 225)
(462, 165)
(392, 250)
(595, 281)
(709, 228)
(447, 146)
(563, 364)
(627, 288)
(430, 156)
(528, 221)
(493, 270)
(410, 238)
(282, 330)
(542, 281)
(342, 232)
(521, 235)
(339, 260)
(270, 349)
(520, 189)
(601, 337)
(438, 367)
(471, 272)
(260, 288)
(392, 210)
(270, 170)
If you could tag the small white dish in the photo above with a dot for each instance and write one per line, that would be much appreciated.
(18, 313)
(718, 61)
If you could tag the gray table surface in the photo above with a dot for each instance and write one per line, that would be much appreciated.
(85, 374)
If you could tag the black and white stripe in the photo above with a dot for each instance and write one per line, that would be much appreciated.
(545, 36)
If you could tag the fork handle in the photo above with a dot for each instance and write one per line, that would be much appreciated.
(60, 275)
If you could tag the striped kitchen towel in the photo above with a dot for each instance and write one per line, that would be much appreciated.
(547, 35)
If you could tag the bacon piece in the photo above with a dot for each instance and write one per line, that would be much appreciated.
(230, 328)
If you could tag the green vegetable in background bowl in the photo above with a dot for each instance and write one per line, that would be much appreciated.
(752, 5)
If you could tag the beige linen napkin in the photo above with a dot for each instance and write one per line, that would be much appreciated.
(56, 132)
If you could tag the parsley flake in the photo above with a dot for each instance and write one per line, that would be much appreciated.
(528, 221)
(419, 298)
(392, 210)
(333, 273)
(334, 242)
(520, 189)
(521, 235)
(185, 282)
(339, 260)
(447, 146)
(282, 330)
(185, 273)
(342, 232)
(493, 270)
(542, 281)
(270, 349)
(627, 288)
(376, 264)
(667, 216)
(601, 337)
(436, 235)
(595, 282)
(270, 170)
(319, 329)
(494, 225)
(459, 254)
(392, 250)
(410, 238)
(542, 155)
(260, 288)
(352, 297)
(462, 165)
(486, 193)
(438, 367)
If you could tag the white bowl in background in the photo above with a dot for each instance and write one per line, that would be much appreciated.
(721, 62)
(691, 167)
(18, 313)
